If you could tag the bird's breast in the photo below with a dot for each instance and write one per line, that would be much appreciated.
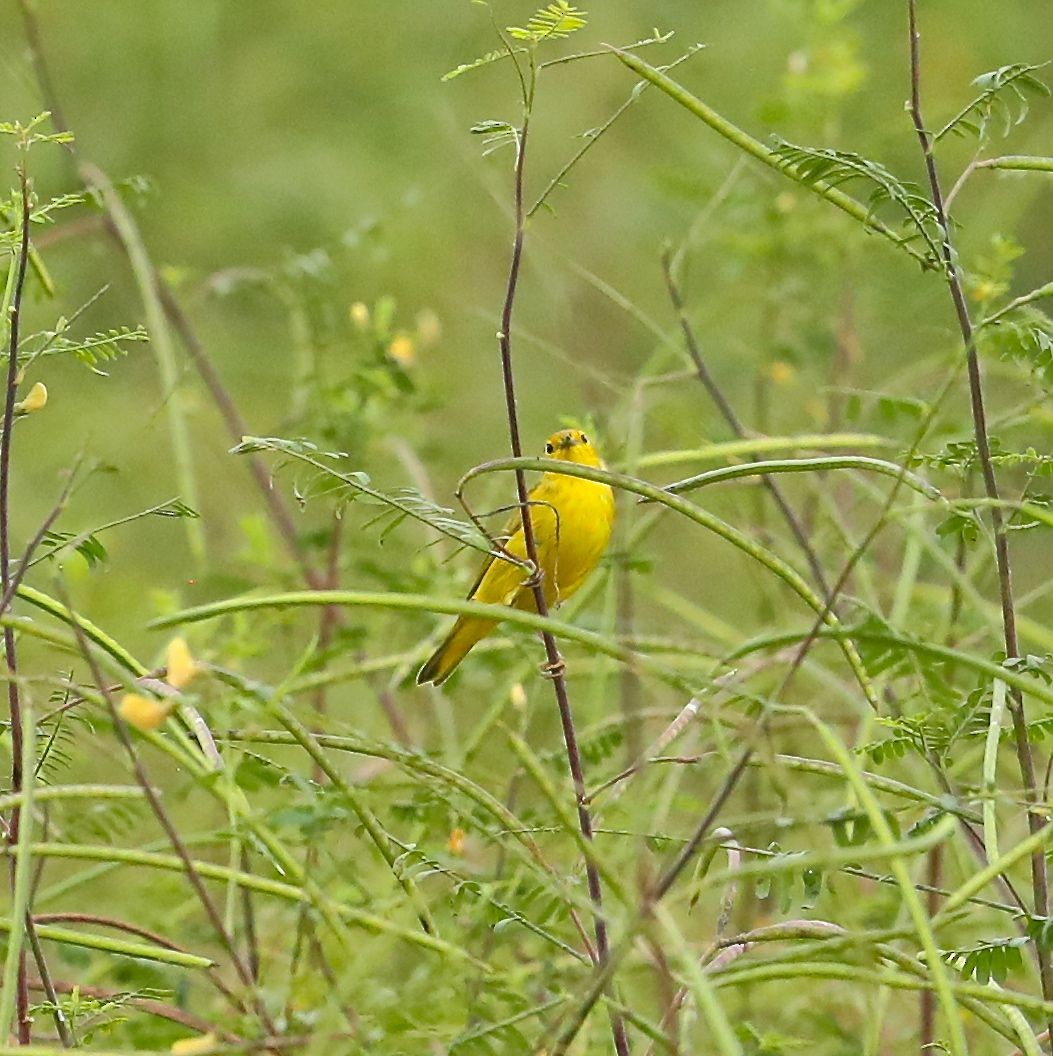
(585, 512)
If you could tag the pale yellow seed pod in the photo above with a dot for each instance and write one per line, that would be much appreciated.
(192, 1046)
(181, 666)
(35, 400)
(360, 315)
(144, 713)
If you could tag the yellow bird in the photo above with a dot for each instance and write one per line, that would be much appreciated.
(572, 521)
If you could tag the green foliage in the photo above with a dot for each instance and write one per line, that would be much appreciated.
(1005, 95)
(496, 134)
(483, 60)
(989, 961)
(1026, 339)
(553, 22)
(915, 213)
(347, 487)
(960, 457)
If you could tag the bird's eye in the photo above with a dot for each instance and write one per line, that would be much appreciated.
(548, 449)
(584, 438)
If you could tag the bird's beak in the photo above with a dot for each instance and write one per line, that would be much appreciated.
(567, 441)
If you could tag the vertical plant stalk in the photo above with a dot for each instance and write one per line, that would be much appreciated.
(241, 968)
(18, 732)
(14, 992)
(952, 274)
(728, 414)
(554, 665)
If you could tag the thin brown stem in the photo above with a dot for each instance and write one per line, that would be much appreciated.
(61, 1023)
(797, 529)
(927, 1030)
(10, 654)
(554, 664)
(172, 833)
(952, 274)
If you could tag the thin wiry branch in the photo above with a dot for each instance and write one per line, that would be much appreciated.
(952, 274)
(727, 412)
(554, 666)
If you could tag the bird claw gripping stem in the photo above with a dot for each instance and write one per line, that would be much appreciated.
(554, 670)
(534, 577)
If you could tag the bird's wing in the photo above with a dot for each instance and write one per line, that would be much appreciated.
(499, 582)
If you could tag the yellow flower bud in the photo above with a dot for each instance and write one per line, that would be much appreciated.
(192, 1046)
(455, 844)
(181, 666)
(781, 373)
(36, 400)
(517, 695)
(360, 315)
(402, 351)
(144, 713)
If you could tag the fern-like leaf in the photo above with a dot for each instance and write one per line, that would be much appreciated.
(497, 134)
(814, 165)
(999, 89)
(475, 64)
(348, 487)
(552, 22)
(102, 347)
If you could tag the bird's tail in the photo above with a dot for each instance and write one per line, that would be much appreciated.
(455, 647)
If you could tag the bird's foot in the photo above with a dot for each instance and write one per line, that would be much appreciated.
(534, 578)
(554, 670)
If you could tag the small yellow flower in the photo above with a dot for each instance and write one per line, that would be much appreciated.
(360, 315)
(781, 372)
(192, 1046)
(144, 713)
(36, 400)
(985, 290)
(181, 666)
(402, 351)
(455, 844)
(517, 695)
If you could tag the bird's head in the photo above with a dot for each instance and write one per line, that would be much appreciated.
(572, 445)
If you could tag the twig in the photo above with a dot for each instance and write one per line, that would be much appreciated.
(26, 562)
(736, 426)
(555, 665)
(702, 833)
(192, 874)
(1025, 758)
(10, 654)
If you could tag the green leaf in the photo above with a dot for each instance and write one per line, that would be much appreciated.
(1000, 89)
(352, 486)
(475, 64)
(553, 22)
(820, 165)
